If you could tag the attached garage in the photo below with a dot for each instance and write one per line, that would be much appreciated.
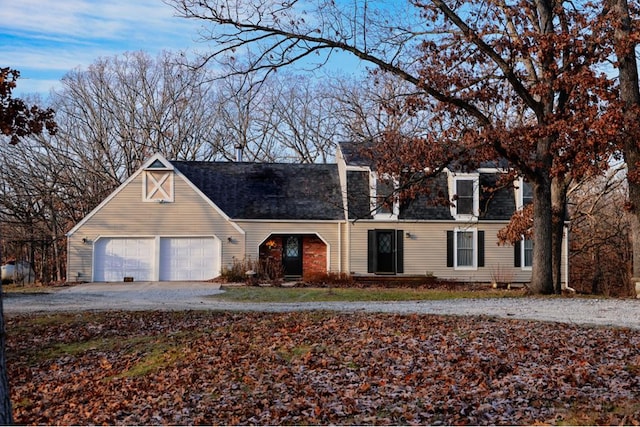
(156, 258)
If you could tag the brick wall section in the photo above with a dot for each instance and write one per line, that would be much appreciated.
(314, 255)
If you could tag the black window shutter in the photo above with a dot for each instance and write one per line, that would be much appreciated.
(517, 254)
(449, 248)
(399, 251)
(480, 248)
(371, 252)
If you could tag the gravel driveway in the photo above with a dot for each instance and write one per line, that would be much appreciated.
(197, 296)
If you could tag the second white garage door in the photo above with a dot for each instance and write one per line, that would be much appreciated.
(189, 258)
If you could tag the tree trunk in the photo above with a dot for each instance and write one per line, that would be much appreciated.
(559, 187)
(542, 274)
(630, 95)
(6, 413)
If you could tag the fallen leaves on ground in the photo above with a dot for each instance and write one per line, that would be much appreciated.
(318, 368)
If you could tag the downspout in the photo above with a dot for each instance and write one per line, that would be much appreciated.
(348, 225)
(68, 269)
(565, 255)
(340, 247)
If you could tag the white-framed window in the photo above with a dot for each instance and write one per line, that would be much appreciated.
(465, 248)
(523, 192)
(384, 198)
(464, 189)
(465, 252)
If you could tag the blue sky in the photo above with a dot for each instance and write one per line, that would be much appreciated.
(44, 39)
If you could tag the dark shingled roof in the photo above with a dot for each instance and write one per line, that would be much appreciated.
(353, 153)
(431, 202)
(269, 190)
(498, 204)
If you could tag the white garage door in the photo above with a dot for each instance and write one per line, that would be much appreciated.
(117, 258)
(189, 258)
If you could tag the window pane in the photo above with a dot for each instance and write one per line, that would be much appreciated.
(384, 243)
(528, 252)
(464, 193)
(527, 193)
(292, 247)
(465, 248)
(464, 187)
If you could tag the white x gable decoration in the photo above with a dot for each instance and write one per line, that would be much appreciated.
(158, 186)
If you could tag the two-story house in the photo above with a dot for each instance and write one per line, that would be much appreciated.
(179, 220)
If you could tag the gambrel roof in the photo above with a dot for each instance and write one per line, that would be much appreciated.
(430, 204)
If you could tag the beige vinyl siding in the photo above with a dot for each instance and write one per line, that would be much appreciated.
(127, 215)
(425, 252)
(80, 259)
(258, 231)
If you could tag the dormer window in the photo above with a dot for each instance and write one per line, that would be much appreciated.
(384, 198)
(465, 191)
(464, 194)
(157, 182)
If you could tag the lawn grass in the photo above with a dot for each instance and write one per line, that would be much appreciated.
(284, 295)
(31, 288)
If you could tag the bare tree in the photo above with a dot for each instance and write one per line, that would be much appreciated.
(369, 108)
(301, 118)
(111, 118)
(240, 120)
(123, 109)
(32, 210)
(282, 118)
(601, 250)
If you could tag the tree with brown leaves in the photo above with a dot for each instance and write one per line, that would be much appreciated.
(514, 80)
(17, 119)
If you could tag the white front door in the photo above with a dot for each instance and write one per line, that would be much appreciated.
(119, 257)
(189, 258)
